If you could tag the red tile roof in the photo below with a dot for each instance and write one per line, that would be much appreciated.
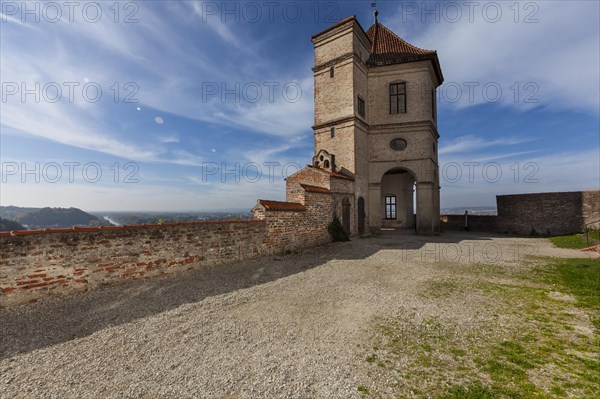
(385, 43)
(281, 206)
(338, 175)
(387, 48)
(315, 189)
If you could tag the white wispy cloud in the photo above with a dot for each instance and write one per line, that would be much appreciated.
(559, 53)
(162, 61)
(171, 138)
(470, 143)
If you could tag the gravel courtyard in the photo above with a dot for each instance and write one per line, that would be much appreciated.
(295, 326)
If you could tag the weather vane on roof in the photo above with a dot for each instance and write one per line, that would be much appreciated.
(375, 13)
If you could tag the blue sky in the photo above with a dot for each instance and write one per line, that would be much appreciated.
(224, 84)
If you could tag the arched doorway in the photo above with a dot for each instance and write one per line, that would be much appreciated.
(361, 215)
(398, 201)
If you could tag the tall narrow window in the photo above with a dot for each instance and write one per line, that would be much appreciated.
(331, 72)
(332, 132)
(398, 98)
(390, 207)
(361, 107)
(433, 104)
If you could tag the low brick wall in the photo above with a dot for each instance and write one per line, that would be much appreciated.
(38, 264)
(35, 264)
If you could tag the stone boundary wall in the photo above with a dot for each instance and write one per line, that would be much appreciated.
(548, 213)
(539, 213)
(41, 263)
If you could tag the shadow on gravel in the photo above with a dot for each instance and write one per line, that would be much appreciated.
(30, 327)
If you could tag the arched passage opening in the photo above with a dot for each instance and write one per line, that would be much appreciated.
(398, 199)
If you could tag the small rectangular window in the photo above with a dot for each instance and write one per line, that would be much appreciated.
(331, 72)
(361, 107)
(332, 132)
(390, 207)
(398, 98)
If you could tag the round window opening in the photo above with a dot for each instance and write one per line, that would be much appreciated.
(398, 145)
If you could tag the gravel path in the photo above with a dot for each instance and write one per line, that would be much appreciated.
(289, 327)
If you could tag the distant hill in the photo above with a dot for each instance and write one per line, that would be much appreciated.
(12, 212)
(10, 225)
(41, 218)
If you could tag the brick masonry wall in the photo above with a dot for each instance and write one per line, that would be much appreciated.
(39, 264)
(293, 230)
(591, 209)
(307, 175)
(545, 213)
(539, 213)
(36, 265)
(33, 266)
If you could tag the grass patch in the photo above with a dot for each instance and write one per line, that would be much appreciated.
(527, 339)
(440, 289)
(474, 391)
(576, 241)
(581, 277)
(364, 391)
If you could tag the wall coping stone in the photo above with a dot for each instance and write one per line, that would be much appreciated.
(76, 229)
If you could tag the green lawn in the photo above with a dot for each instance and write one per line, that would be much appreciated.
(582, 278)
(576, 241)
(538, 348)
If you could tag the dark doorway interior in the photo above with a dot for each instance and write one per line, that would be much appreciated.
(361, 216)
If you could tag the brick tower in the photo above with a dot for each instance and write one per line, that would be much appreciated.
(376, 123)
